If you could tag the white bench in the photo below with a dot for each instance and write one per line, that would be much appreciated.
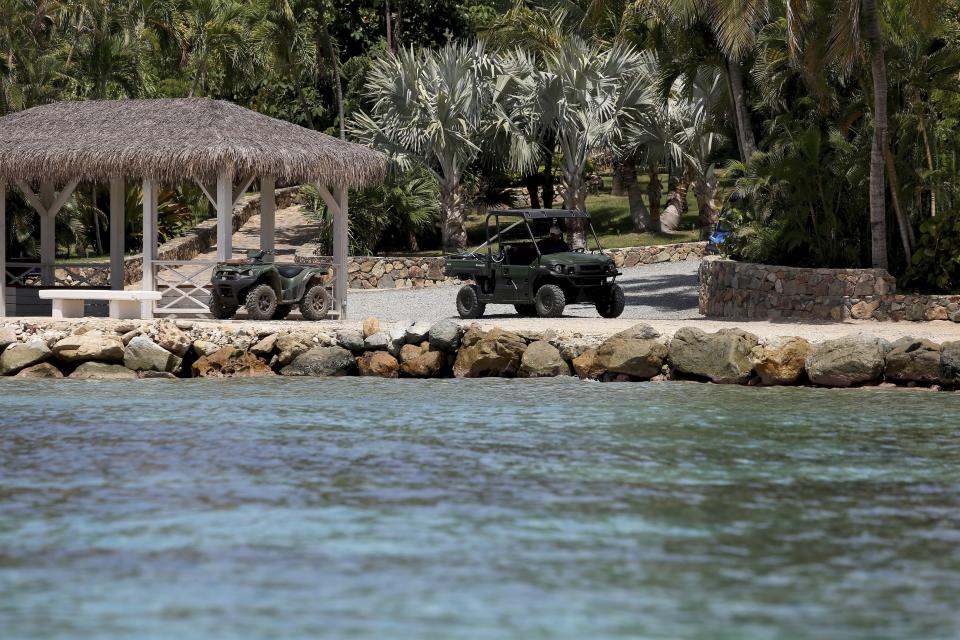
(127, 305)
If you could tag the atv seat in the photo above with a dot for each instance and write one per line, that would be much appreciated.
(290, 270)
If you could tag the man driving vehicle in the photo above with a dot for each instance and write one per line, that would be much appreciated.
(554, 243)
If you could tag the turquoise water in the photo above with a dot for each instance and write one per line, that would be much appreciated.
(358, 508)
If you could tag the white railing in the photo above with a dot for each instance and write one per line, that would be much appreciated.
(76, 275)
(184, 285)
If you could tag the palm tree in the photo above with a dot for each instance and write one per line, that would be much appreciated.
(215, 33)
(285, 37)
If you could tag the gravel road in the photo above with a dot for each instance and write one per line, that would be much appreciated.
(666, 291)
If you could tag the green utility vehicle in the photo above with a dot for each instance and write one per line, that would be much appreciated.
(526, 263)
(268, 291)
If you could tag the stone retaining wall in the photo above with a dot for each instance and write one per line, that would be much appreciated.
(757, 292)
(899, 307)
(375, 272)
(115, 349)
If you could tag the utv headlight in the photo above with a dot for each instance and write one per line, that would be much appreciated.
(558, 268)
(246, 273)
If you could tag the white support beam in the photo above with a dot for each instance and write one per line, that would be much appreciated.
(332, 203)
(225, 215)
(48, 234)
(268, 214)
(3, 249)
(241, 188)
(209, 192)
(117, 228)
(150, 189)
(340, 252)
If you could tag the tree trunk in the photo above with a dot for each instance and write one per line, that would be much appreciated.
(386, 12)
(654, 193)
(878, 204)
(670, 218)
(618, 181)
(412, 243)
(639, 213)
(548, 188)
(337, 85)
(705, 188)
(742, 122)
(454, 230)
(96, 222)
(531, 183)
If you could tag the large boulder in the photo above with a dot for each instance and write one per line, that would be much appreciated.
(379, 364)
(89, 347)
(912, 360)
(103, 371)
(640, 331)
(230, 362)
(351, 339)
(542, 360)
(586, 365)
(370, 326)
(42, 370)
(418, 332)
(780, 361)
(205, 348)
(847, 361)
(143, 354)
(425, 365)
(264, 347)
(291, 345)
(950, 363)
(722, 357)
(445, 336)
(171, 338)
(495, 353)
(321, 362)
(8, 336)
(633, 357)
(377, 341)
(21, 355)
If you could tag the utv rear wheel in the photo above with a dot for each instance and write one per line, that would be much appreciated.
(526, 310)
(610, 302)
(221, 310)
(315, 303)
(283, 310)
(468, 302)
(550, 301)
(261, 302)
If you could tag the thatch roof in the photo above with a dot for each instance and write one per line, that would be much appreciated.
(174, 140)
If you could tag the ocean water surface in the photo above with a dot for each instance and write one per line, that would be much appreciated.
(355, 508)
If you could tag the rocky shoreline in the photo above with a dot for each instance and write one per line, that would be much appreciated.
(107, 349)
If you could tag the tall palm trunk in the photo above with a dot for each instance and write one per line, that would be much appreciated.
(639, 214)
(550, 143)
(744, 129)
(454, 209)
(705, 189)
(878, 208)
(654, 193)
(676, 196)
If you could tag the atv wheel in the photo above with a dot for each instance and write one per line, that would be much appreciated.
(550, 301)
(526, 310)
(610, 302)
(261, 302)
(219, 309)
(283, 310)
(315, 303)
(468, 302)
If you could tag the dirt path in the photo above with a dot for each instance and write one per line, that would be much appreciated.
(293, 230)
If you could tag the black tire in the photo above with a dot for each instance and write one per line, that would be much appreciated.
(219, 309)
(315, 303)
(283, 310)
(610, 302)
(261, 302)
(526, 310)
(550, 301)
(468, 302)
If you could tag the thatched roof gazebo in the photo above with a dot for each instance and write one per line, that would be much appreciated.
(47, 150)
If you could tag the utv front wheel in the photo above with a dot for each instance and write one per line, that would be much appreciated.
(315, 303)
(550, 301)
(610, 302)
(526, 310)
(468, 302)
(261, 302)
(221, 310)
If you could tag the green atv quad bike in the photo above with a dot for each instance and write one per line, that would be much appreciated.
(268, 291)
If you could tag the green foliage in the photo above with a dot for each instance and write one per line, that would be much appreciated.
(935, 265)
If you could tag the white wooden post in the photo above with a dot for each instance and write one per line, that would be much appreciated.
(340, 252)
(149, 233)
(268, 211)
(225, 201)
(3, 249)
(117, 221)
(48, 234)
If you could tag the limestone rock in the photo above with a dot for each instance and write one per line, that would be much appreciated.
(636, 358)
(22, 355)
(950, 363)
(586, 365)
(42, 370)
(418, 332)
(542, 360)
(411, 351)
(425, 365)
(377, 342)
(171, 338)
(780, 361)
(398, 337)
(143, 354)
(265, 346)
(104, 371)
(89, 347)
(722, 357)
(496, 353)
(445, 336)
(156, 375)
(230, 362)
(350, 339)
(205, 348)
(378, 364)
(571, 348)
(370, 326)
(8, 336)
(846, 361)
(291, 345)
(912, 360)
(321, 361)
(640, 331)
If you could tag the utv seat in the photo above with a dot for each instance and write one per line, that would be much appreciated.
(290, 270)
